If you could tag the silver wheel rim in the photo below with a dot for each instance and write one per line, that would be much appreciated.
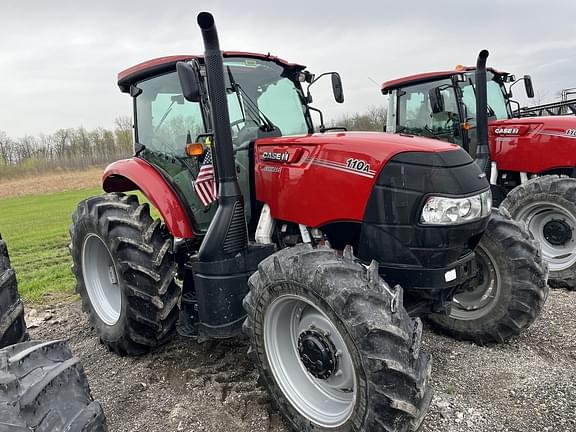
(327, 402)
(101, 279)
(536, 216)
(478, 301)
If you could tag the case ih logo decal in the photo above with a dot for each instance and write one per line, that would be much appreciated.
(275, 156)
(352, 166)
(571, 132)
(507, 131)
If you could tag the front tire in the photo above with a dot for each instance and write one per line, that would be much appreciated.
(334, 345)
(44, 389)
(124, 268)
(547, 205)
(12, 324)
(511, 289)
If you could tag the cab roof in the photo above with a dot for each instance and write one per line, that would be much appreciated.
(387, 86)
(161, 65)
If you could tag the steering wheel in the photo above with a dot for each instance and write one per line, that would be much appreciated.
(236, 124)
(452, 118)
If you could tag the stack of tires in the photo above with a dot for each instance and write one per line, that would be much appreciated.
(43, 387)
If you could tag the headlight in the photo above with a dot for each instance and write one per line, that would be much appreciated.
(452, 211)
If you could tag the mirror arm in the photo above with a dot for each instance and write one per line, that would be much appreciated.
(321, 128)
(517, 103)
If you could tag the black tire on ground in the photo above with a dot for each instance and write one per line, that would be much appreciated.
(547, 205)
(393, 385)
(511, 290)
(44, 389)
(12, 324)
(117, 231)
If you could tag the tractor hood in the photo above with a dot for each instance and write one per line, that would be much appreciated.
(534, 144)
(332, 175)
(371, 142)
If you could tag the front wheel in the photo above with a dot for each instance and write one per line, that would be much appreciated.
(509, 291)
(124, 268)
(547, 205)
(334, 345)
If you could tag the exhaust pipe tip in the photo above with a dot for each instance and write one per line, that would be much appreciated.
(482, 56)
(205, 20)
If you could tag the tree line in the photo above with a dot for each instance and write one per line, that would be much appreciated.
(68, 149)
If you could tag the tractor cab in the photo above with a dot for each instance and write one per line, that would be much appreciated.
(442, 105)
(264, 98)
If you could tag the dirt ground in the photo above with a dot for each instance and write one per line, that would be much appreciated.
(527, 385)
(61, 181)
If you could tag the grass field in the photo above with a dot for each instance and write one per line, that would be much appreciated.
(35, 228)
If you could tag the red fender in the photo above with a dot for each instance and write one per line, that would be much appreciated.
(136, 174)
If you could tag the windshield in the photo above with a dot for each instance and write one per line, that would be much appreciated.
(497, 106)
(415, 115)
(261, 96)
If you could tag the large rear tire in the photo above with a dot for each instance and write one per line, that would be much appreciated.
(334, 345)
(125, 268)
(44, 389)
(510, 291)
(12, 324)
(547, 205)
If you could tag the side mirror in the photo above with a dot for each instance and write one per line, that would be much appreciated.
(436, 100)
(189, 81)
(529, 86)
(337, 87)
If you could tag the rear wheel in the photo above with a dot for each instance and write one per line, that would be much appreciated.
(334, 345)
(547, 205)
(509, 292)
(44, 389)
(124, 267)
(12, 324)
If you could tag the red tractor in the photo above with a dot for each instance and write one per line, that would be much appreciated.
(529, 159)
(303, 247)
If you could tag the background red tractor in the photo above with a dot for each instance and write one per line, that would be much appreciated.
(271, 253)
(529, 160)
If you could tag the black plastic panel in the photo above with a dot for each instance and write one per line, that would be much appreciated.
(391, 232)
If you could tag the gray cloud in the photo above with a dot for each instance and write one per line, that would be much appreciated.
(60, 59)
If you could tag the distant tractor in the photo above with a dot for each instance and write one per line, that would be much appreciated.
(304, 246)
(531, 161)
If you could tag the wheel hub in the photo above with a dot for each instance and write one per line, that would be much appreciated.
(317, 353)
(557, 232)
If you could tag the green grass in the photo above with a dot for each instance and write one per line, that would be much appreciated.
(35, 228)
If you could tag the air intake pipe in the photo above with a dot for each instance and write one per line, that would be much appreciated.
(482, 149)
(227, 234)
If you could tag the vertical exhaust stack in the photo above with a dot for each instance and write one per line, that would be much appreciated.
(212, 305)
(483, 148)
(227, 234)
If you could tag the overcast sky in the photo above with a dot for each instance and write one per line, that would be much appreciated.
(59, 59)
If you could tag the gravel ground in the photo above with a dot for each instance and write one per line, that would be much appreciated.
(526, 385)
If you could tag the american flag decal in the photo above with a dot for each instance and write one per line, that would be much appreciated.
(205, 186)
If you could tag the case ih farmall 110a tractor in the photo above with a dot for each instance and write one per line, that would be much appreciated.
(529, 160)
(334, 344)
